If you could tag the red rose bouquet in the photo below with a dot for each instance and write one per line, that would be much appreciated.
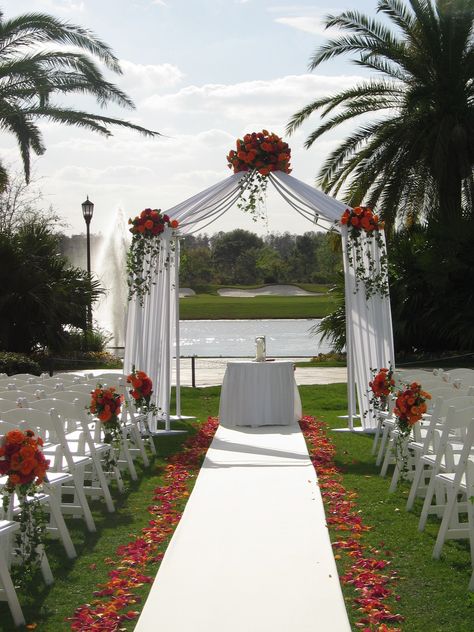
(106, 404)
(364, 227)
(258, 153)
(23, 463)
(146, 229)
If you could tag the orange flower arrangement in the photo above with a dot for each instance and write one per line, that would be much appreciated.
(363, 226)
(263, 151)
(146, 229)
(258, 153)
(142, 387)
(383, 383)
(22, 460)
(410, 406)
(106, 404)
(361, 218)
(24, 464)
(151, 223)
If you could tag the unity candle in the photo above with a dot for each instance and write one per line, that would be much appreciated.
(260, 349)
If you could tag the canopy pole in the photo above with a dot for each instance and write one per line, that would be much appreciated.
(177, 330)
(167, 350)
(349, 345)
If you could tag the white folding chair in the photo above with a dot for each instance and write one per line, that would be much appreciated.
(454, 485)
(427, 446)
(80, 441)
(470, 512)
(448, 446)
(14, 509)
(83, 400)
(8, 529)
(62, 460)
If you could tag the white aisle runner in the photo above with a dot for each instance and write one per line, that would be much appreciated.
(251, 552)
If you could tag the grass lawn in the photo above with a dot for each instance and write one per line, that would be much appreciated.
(207, 306)
(433, 593)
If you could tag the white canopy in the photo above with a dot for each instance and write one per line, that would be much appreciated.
(153, 327)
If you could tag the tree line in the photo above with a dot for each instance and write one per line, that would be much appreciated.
(240, 257)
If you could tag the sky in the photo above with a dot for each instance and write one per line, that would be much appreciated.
(202, 73)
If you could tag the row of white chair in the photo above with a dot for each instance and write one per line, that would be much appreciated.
(76, 449)
(440, 455)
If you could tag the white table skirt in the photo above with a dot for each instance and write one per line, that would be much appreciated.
(259, 394)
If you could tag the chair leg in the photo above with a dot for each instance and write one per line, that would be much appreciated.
(45, 568)
(387, 458)
(61, 526)
(383, 444)
(127, 456)
(376, 436)
(427, 503)
(419, 471)
(10, 592)
(138, 441)
(102, 481)
(445, 523)
(81, 497)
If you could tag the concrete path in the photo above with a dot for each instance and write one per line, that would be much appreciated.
(210, 372)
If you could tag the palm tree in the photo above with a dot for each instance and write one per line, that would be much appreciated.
(417, 157)
(32, 72)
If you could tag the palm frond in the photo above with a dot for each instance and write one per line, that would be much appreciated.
(41, 28)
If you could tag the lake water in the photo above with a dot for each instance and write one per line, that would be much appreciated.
(236, 338)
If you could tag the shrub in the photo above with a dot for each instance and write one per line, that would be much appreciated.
(12, 363)
(79, 360)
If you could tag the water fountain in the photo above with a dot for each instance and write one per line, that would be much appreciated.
(110, 268)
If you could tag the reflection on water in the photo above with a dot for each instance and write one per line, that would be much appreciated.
(284, 337)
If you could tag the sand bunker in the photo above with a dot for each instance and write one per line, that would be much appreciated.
(186, 291)
(268, 290)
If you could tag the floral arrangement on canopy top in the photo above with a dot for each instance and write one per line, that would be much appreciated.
(258, 153)
(364, 230)
(147, 229)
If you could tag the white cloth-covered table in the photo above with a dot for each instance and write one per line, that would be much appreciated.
(259, 394)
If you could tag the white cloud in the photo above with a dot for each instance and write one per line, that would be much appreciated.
(308, 24)
(160, 3)
(271, 102)
(62, 6)
(144, 79)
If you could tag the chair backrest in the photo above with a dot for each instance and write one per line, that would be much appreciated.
(458, 421)
(34, 418)
(7, 404)
(459, 373)
(71, 414)
(83, 399)
(25, 376)
(13, 396)
(48, 426)
(74, 378)
(470, 477)
(79, 388)
(109, 376)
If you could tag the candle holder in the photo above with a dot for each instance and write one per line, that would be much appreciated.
(260, 350)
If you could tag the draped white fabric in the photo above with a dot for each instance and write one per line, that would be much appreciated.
(368, 328)
(151, 327)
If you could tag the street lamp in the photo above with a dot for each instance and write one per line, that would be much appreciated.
(87, 212)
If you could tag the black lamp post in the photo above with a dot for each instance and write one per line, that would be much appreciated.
(87, 212)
